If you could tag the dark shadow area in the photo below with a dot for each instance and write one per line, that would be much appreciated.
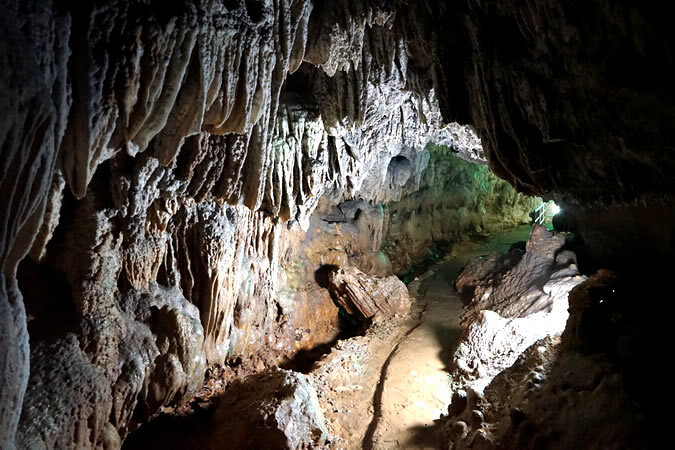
(172, 431)
(466, 295)
(49, 306)
(242, 417)
(428, 436)
(321, 274)
(254, 8)
(304, 360)
(448, 337)
(574, 243)
(349, 325)
(520, 246)
(47, 294)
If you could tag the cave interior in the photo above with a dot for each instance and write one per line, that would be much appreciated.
(335, 224)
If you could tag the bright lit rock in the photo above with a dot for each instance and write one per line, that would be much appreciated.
(277, 409)
(516, 301)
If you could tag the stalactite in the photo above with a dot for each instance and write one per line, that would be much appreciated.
(161, 159)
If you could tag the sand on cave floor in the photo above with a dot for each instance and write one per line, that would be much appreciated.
(386, 389)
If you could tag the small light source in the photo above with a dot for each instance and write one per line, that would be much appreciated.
(555, 209)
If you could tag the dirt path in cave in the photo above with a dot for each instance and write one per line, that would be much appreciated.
(416, 386)
(385, 390)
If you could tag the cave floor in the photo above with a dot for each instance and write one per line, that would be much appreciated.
(378, 398)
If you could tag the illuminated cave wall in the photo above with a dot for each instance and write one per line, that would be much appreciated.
(456, 197)
(159, 169)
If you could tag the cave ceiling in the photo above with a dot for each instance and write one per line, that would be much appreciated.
(132, 131)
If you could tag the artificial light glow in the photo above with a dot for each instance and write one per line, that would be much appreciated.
(555, 209)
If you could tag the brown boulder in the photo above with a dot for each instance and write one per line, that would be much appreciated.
(368, 297)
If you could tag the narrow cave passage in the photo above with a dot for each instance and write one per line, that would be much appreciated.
(386, 380)
(290, 224)
(415, 386)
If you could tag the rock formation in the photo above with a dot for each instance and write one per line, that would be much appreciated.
(276, 409)
(454, 197)
(516, 300)
(166, 169)
(150, 153)
(575, 391)
(368, 297)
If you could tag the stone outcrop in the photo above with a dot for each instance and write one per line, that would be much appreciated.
(368, 297)
(583, 389)
(512, 284)
(516, 300)
(278, 409)
(550, 399)
(155, 357)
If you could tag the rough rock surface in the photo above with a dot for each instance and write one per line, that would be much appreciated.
(548, 399)
(347, 378)
(572, 101)
(149, 147)
(584, 389)
(368, 297)
(158, 359)
(163, 145)
(516, 301)
(277, 409)
(350, 233)
(451, 199)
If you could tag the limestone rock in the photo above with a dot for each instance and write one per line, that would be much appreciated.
(516, 287)
(516, 301)
(152, 148)
(148, 144)
(277, 409)
(368, 297)
(68, 401)
(552, 398)
(158, 359)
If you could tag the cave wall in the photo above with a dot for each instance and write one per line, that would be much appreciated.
(456, 197)
(159, 181)
(163, 164)
(572, 99)
(436, 199)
